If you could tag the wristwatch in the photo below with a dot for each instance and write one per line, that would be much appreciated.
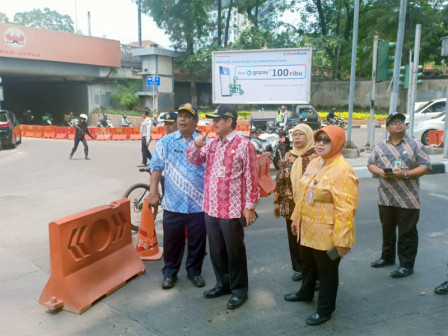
(406, 176)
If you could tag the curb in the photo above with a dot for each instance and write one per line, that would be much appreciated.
(437, 168)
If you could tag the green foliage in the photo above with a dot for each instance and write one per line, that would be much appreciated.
(45, 19)
(125, 96)
(251, 38)
(4, 18)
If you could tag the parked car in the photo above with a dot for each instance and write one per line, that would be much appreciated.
(305, 114)
(422, 128)
(10, 134)
(427, 111)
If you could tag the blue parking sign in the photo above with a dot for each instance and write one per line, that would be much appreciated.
(152, 81)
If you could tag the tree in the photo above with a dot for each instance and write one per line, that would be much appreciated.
(4, 18)
(45, 19)
(125, 96)
(183, 20)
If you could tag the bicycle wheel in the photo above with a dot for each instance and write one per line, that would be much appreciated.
(136, 195)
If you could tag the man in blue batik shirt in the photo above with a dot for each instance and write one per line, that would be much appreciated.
(182, 199)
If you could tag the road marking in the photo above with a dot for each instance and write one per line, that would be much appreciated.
(438, 195)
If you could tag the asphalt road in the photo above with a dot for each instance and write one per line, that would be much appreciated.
(40, 184)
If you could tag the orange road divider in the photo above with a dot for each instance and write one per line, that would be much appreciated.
(119, 133)
(61, 132)
(29, 130)
(265, 181)
(435, 138)
(211, 131)
(49, 132)
(91, 255)
(134, 133)
(103, 133)
(92, 131)
(39, 132)
(243, 128)
(157, 132)
(146, 245)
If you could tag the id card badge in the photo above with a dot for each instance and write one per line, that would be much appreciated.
(310, 197)
(397, 163)
(222, 171)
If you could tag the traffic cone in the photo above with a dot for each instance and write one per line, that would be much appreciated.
(147, 246)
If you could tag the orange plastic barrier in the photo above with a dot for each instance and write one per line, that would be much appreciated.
(157, 132)
(435, 138)
(39, 132)
(134, 133)
(146, 245)
(29, 130)
(71, 133)
(91, 255)
(243, 128)
(50, 132)
(265, 181)
(61, 132)
(211, 131)
(119, 133)
(103, 133)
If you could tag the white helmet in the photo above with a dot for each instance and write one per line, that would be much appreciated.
(83, 116)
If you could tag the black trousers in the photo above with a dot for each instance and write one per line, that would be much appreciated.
(294, 248)
(228, 254)
(76, 143)
(317, 263)
(146, 154)
(174, 225)
(406, 220)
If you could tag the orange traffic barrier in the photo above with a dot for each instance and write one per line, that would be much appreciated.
(91, 255)
(71, 133)
(29, 130)
(134, 133)
(157, 132)
(211, 131)
(265, 181)
(103, 133)
(61, 132)
(92, 130)
(119, 133)
(435, 138)
(243, 128)
(50, 132)
(39, 132)
(146, 245)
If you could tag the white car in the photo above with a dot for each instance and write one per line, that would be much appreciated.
(422, 128)
(428, 111)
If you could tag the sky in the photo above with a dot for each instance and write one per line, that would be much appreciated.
(113, 19)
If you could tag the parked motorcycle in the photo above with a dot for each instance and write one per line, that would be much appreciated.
(339, 122)
(108, 123)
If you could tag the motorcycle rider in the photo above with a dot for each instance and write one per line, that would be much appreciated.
(331, 116)
(104, 120)
(125, 122)
(81, 130)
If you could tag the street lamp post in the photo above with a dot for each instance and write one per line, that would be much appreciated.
(1, 93)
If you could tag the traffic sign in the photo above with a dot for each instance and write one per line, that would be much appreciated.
(152, 81)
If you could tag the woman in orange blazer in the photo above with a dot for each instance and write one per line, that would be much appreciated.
(325, 215)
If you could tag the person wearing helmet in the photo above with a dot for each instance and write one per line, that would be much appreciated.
(81, 130)
(124, 121)
(331, 116)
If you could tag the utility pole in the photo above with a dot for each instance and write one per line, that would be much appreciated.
(371, 129)
(140, 23)
(414, 77)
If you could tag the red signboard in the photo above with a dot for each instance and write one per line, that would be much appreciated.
(48, 45)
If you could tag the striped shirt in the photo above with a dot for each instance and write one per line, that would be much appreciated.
(399, 193)
(231, 183)
(184, 183)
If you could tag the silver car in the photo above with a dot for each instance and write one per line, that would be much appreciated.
(422, 128)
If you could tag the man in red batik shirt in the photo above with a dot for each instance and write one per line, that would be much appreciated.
(230, 195)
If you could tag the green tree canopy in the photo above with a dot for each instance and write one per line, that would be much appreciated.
(46, 19)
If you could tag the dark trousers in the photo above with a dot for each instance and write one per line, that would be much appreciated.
(174, 225)
(294, 248)
(314, 263)
(406, 220)
(146, 154)
(76, 143)
(228, 254)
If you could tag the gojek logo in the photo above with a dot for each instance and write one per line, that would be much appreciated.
(15, 38)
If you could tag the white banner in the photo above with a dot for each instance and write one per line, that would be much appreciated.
(268, 76)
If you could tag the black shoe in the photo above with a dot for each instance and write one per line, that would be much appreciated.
(442, 288)
(295, 297)
(297, 276)
(235, 301)
(197, 280)
(317, 319)
(381, 263)
(317, 285)
(215, 292)
(401, 272)
(169, 281)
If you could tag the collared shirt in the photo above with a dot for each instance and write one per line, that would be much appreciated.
(146, 128)
(231, 183)
(184, 182)
(400, 193)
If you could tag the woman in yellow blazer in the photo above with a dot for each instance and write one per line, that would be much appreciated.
(325, 215)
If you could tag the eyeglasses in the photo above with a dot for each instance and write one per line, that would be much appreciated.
(396, 122)
(324, 140)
